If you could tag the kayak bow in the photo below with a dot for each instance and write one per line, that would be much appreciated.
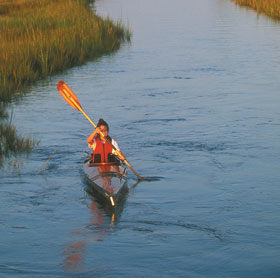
(108, 181)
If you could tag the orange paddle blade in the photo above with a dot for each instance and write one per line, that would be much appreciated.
(68, 95)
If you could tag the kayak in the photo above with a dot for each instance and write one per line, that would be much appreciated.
(107, 182)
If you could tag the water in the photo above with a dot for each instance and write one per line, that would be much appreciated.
(193, 100)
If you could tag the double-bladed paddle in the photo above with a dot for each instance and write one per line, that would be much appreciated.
(73, 101)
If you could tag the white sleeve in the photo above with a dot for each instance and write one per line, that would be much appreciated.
(93, 145)
(115, 144)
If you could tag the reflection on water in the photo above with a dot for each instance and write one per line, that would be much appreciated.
(103, 219)
(74, 256)
(75, 252)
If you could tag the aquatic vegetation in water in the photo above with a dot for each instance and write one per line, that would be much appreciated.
(11, 143)
(268, 7)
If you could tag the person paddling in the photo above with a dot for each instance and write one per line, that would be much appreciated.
(69, 96)
(102, 150)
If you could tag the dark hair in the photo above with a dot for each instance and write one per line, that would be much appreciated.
(102, 122)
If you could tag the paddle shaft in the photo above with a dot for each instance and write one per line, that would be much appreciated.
(89, 119)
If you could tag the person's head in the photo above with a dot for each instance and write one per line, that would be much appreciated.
(104, 127)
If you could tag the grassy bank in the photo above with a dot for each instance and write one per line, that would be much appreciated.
(268, 7)
(39, 38)
(43, 37)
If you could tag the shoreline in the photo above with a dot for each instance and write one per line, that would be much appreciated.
(38, 41)
(269, 8)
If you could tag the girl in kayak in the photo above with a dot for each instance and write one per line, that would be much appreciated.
(102, 150)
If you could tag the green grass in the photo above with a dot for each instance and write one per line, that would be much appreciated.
(39, 38)
(267, 7)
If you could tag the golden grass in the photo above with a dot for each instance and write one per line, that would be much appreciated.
(42, 37)
(268, 7)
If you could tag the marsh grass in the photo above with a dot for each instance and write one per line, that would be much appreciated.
(11, 143)
(268, 7)
(39, 38)
(43, 37)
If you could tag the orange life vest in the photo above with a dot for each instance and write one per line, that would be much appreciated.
(102, 152)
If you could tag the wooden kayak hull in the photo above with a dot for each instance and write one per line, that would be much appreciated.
(107, 182)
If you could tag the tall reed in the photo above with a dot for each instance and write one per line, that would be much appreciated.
(40, 38)
(268, 7)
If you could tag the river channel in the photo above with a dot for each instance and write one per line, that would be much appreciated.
(194, 102)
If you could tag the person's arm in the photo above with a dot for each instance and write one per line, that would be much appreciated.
(117, 150)
(91, 137)
(91, 140)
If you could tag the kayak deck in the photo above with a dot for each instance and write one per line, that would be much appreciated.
(107, 181)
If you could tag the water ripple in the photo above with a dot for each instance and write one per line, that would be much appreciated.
(191, 145)
(159, 120)
(208, 230)
(169, 77)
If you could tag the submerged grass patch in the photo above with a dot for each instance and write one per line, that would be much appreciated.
(268, 7)
(12, 143)
(43, 37)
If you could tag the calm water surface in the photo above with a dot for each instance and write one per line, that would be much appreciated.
(194, 100)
